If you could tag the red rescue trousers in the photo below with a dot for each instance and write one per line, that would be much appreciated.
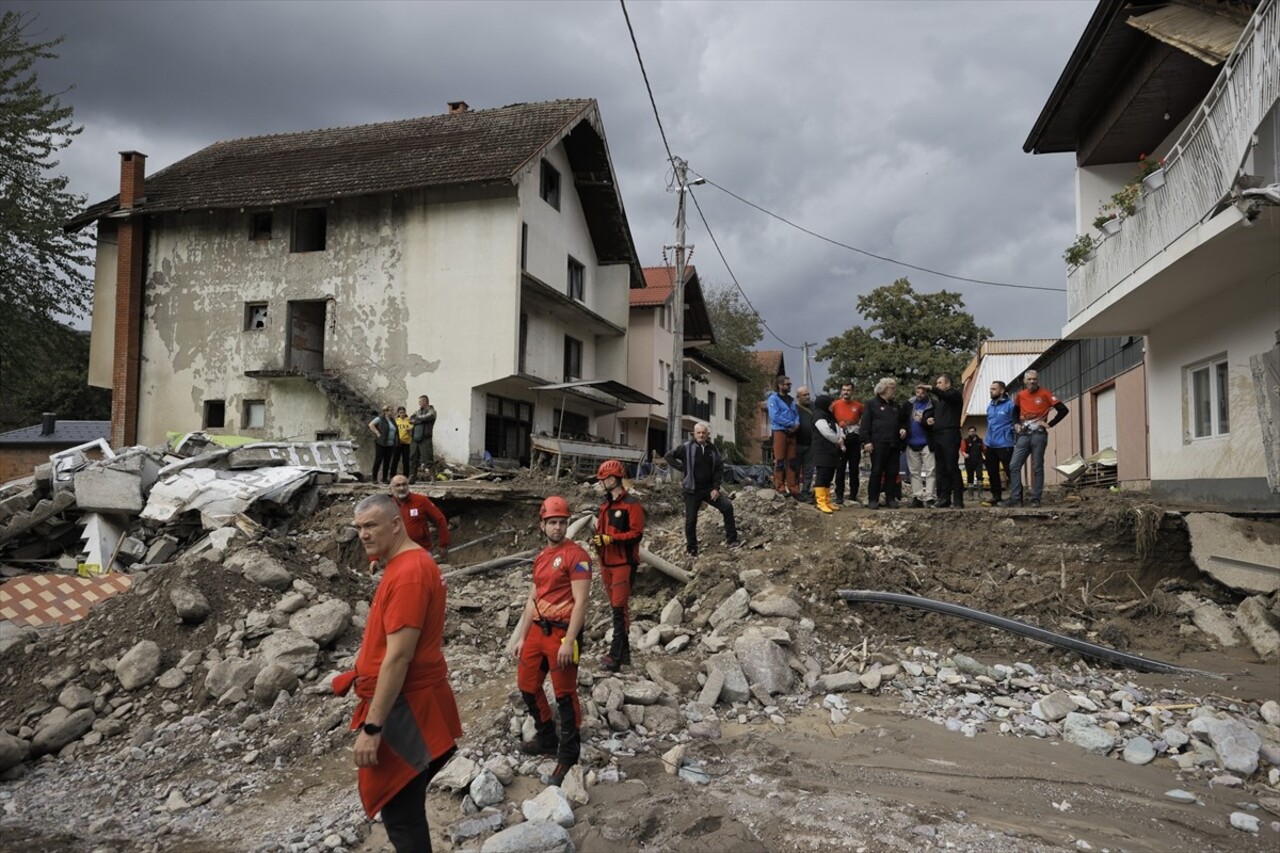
(537, 658)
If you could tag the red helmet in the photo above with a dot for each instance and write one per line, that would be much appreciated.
(554, 507)
(611, 468)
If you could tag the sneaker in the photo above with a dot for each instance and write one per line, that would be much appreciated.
(608, 664)
(734, 545)
(556, 777)
(873, 505)
(1035, 502)
(891, 505)
(1010, 503)
(916, 503)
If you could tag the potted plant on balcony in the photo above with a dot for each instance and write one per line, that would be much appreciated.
(1128, 199)
(1108, 220)
(1151, 172)
(1081, 251)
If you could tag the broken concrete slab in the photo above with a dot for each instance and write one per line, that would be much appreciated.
(1210, 618)
(112, 490)
(1259, 627)
(1240, 553)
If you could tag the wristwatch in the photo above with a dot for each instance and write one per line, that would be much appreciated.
(371, 729)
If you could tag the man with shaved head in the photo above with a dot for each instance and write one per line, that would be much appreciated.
(407, 718)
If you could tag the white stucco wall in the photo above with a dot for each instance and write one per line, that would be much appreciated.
(102, 323)
(1239, 320)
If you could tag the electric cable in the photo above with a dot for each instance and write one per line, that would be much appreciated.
(645, 74)
(824, 238)
(729, 269)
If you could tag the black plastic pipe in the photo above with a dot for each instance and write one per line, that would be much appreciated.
(1089, 650)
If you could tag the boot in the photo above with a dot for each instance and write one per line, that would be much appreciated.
(612, 662)
(544, 742)
(570, 736)
(821, 500)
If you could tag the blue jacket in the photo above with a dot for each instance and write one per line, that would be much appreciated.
(1000, 422)
(783, 414)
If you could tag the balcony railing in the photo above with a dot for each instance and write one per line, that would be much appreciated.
(1202, 167)
(692, 406)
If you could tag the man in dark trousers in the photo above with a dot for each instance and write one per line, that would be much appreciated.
(973, 450)
(946, 442)
(804, 442)
(703, 469)
(1000, 412)
(619, 528)
(884, 427)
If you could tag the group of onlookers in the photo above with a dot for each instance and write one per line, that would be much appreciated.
(822, 441)
(402, 440)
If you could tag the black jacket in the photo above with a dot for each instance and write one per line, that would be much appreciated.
(881, 421)
(701, 474)
(947, 411)
(804, 433)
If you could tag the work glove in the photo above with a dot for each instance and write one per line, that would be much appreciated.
(601, 539)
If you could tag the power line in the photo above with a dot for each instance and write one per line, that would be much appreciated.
(872, 254)
(730, 270)
(648, 88)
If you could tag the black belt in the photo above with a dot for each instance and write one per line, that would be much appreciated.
(547, 624)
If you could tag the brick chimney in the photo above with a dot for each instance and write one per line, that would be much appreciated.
(127, 354)
(456, 107)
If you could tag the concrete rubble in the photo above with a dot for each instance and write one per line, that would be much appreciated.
(227, 646)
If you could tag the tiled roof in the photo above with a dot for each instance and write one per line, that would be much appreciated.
(770, 361)
(658, 284)
(473, 147)
(66, 433)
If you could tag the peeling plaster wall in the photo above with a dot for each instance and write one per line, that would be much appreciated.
(1239, 319)
(421, 294)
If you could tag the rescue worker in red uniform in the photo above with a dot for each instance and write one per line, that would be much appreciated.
(618, 530)
(417, 510)
(407, 717)
(555, 612)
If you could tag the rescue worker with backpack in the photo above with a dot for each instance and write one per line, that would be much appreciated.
(555, 612)
(619, 528)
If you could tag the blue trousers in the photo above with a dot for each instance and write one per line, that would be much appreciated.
(1033, 444)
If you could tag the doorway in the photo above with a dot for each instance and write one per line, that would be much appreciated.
(1104, 410)
(304, 334)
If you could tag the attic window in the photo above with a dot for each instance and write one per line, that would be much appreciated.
(550, 191)
(309, 224)
(260, 226)
(577, 280)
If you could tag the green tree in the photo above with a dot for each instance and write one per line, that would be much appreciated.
(911, 336)
(738, 331)
(42, 267)
(59, 385)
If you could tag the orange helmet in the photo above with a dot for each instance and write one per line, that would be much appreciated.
(554, 507)
(611, 468)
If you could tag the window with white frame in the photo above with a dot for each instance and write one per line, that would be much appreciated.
(255, 414)
(1210, 413)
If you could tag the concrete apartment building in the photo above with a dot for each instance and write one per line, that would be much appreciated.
(1195, 270)
(286, 286)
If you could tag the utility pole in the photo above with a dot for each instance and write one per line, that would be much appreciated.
(808, 376)
(675, 378)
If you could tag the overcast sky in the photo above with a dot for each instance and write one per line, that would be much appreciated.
(895, 127)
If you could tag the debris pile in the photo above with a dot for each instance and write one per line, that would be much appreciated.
(195, 708)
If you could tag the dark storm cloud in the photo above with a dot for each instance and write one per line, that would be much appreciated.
(894, 127)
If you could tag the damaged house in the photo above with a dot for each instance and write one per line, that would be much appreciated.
(1192, 262)
(285, 287)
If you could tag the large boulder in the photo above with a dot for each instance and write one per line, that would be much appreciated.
(229, 673)
(273, 678)
(735, 687)
(551, 805)
(291, 650)
(486, 790)
(261, 568)
(1236, 745)
(55, 736)
(763, 662)
(189, 602)
(772, 602)
(139, 666)
(732, 608)
(322, 623)
(13, 751)
(1084, 732)
(531, 837)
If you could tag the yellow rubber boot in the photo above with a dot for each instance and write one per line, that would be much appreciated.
(821, 500)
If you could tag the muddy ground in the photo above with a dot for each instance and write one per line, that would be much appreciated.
(1100, 567)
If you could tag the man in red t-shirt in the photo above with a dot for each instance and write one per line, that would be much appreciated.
(417, 510)
(848, 414)
(555, 611)
(1031, 422)
(407, 716)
